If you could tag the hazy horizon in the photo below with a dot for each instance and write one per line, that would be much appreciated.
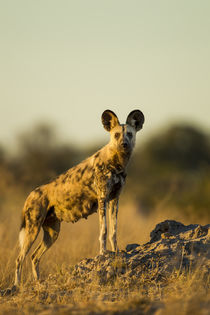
(65, 62)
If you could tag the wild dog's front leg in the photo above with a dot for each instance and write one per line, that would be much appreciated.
(113, 210)
(102, 224)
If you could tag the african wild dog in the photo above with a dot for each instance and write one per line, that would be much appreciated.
(93, 184)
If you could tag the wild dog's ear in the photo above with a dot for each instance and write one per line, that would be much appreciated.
(135, 119)
(109, 120)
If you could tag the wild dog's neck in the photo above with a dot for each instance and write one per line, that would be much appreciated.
(118, 159)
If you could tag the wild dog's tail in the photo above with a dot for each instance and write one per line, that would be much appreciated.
(22, 231)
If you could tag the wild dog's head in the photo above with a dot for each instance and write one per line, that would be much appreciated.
(123, 136)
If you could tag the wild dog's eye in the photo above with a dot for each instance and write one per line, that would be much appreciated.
(117, 135)
(130, 135)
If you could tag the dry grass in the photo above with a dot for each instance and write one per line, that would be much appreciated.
(58, 293)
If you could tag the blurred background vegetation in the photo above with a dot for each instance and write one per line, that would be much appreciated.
(170, 170)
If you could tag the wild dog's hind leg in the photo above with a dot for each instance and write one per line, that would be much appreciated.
(34, 213)
(113, 210)
(51, 228)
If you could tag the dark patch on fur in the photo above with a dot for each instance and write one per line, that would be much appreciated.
(80, 172)
(38, 217)
(95, 205)
(118, 167)
(123, 174)
(115, 191)
(77, 177)
(23, 223)
(32, 256)
(115, 159)
(38, 190)
(89, 183)
(83, 170)
(109, 162)
(100, 166)
(51, 216)
(66, 177)
(114, 164)
(33, 202)
(51, 211)
(117, 135)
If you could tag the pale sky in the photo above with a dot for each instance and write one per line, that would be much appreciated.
(66, 61)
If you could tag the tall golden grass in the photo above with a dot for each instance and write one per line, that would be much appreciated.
(181, 294)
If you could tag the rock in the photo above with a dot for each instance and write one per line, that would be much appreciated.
(173, 245)
(170, 227)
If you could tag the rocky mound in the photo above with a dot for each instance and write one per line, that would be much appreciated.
(173, 246)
